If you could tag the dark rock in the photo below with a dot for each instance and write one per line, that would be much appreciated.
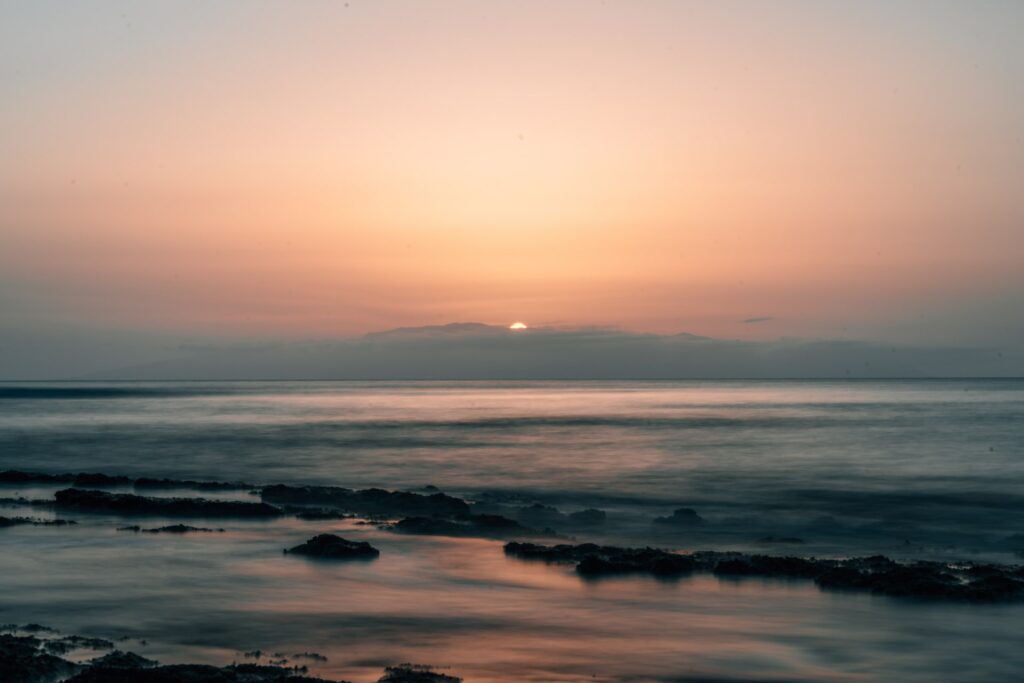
(313, 656)
(130, 504)
(19, 477)
(196, 673)
(62, 646)
(16, 521)
(681, 517)
(876, 574)
(123, 660)
(540, 515)
(768, 566)
(151, 483)
(414, 673)
(86, 479)
(329, 546)
(367, 501)
(595, 560)
(23, 661)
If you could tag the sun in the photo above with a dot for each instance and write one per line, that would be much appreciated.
(517, 326)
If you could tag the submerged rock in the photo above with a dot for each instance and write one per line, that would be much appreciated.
(329, 546)
(876, 574)
(681, 517)
(415, 673)
(131, 504)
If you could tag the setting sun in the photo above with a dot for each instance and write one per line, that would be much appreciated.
(517, 326)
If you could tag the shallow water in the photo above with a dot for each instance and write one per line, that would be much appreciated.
(912, 469)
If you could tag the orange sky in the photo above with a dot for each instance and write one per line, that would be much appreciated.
(316, 169)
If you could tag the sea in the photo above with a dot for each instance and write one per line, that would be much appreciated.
(911, 469)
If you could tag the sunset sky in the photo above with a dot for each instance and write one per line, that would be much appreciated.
(291, 170)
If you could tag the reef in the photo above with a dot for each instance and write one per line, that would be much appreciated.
(329, 546)
(131, 504)
(876, 574)
(367, 501)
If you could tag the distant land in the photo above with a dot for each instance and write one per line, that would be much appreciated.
(475, 351)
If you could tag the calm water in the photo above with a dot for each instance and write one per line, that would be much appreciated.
(929, 469)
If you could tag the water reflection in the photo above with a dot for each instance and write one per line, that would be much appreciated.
(462, 603)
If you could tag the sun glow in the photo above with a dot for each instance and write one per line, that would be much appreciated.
(517, 326)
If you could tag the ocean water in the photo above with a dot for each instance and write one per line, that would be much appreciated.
(912, 469)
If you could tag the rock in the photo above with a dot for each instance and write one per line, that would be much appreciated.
(876, 574)
(130, 504)
(171, 529)
(62, 646)
(19, 477)
(329, 546)
(16, 521)
(415, 673)
(367, 501)
(596, 560)
(23, 661)
(540, 515)
(87, 480)
(123, 660)
(681, 517)
(312, 656)
(151, 483)
(196, 673)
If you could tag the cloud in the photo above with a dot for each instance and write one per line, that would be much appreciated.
(762, 319)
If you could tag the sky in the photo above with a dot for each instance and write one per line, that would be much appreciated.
(180, 172)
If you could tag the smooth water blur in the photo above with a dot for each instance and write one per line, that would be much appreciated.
(853, 465)
(908, 468)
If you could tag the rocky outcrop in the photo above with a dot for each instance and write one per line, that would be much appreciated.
(876, 574)
(131, 504)
(331, 547)
(374, 502)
